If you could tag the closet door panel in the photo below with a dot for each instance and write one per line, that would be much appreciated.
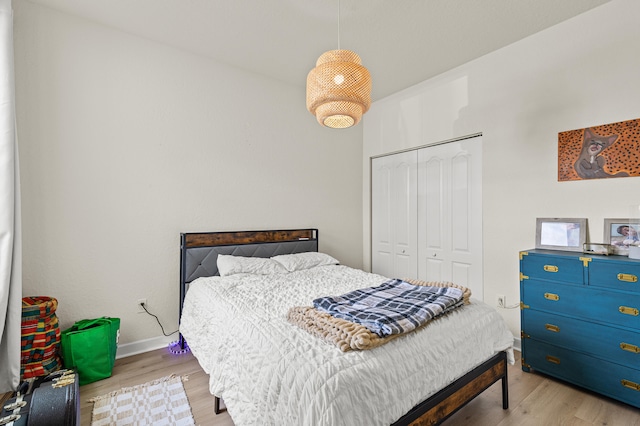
(394, 215)
(405, 215)
(460, 200)
(404, 206)
(432, 268)
(382, 226)
(450, 213)
(430, 189)
(433, 220)
(461, 274)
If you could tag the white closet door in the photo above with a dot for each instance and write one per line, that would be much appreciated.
(450, 214)
(394, 215)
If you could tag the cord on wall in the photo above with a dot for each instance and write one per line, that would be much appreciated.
(142, 304)
(503, 306)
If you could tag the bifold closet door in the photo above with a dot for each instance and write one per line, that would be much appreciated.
(394, 215)
(450, 213)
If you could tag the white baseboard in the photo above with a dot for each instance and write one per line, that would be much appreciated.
(134, 348)
(517, 344)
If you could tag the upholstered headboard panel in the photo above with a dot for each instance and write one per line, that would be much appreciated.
(202, 261)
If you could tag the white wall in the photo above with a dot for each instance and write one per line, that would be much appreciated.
(578, 74)
(125, 143)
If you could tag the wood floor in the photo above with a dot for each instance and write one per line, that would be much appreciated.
(534, 399)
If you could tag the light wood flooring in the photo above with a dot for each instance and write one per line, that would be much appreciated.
(534, 399)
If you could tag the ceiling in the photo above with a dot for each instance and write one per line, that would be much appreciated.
(401, 42)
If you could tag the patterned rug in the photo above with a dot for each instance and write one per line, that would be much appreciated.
(160, 402)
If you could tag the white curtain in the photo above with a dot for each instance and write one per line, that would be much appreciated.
(10, 240)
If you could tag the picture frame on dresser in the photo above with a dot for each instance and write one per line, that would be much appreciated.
(620, 239)
(567, 234)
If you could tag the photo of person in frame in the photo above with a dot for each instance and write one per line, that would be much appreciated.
(624, 235)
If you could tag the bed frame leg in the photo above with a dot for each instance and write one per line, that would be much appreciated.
(216, 405)
(505, 389)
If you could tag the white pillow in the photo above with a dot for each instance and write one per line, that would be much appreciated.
(307, 260)
(229, 265)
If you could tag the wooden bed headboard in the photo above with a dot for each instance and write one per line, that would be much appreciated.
(199, 250)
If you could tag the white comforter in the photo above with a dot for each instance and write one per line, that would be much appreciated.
(269, 372)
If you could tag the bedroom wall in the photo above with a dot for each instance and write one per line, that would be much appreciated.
(125, 143)
(578, 74)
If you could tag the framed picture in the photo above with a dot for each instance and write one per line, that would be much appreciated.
(622, 233)
(597, 152)
(561, 234)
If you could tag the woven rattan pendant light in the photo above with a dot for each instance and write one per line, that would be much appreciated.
(338, 88)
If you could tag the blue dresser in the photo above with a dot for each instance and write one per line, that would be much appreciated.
(580, 319)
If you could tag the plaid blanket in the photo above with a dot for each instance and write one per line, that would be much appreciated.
(394, 307)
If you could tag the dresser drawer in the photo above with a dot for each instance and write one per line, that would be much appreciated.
(594, 304)
(567, 269)
(613, 344)
(623, 275)
(616, 381)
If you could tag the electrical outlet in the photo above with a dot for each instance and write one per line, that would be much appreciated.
(502, 301)
(139, 305)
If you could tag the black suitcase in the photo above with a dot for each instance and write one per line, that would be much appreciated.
(52, 400)
(15, 411)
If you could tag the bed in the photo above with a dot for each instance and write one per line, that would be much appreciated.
(268, 371)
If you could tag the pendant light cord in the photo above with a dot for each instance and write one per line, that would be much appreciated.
(338, 24)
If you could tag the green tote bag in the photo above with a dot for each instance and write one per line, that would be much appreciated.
(90, 347)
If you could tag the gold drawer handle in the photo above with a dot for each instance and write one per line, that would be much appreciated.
(628, 278)
(551, 296)
(629, 347)
(550, 268)
(631, 385)
(629, 311)
(553, 359)
(552, 327)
